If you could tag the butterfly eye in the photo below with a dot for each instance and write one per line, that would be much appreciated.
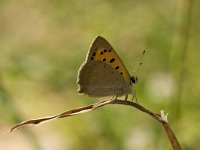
(134, 79)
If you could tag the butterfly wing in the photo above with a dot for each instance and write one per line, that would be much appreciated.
(98, 79)
(101, 50)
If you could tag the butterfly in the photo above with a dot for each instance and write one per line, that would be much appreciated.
(103, 73)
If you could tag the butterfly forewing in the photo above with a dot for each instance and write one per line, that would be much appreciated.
(103, 51)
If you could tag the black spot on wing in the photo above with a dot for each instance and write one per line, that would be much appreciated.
(112, 60)
(117, 67)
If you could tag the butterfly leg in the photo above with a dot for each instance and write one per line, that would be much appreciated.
(112, 98)
(119, 92)
(126, 97)
(116, 96)
(134, 96)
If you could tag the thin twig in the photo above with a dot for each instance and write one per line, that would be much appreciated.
(162, 118)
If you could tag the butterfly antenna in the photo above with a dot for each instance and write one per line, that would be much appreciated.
(139, 62)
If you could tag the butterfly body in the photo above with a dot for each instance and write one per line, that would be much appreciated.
(103, 73)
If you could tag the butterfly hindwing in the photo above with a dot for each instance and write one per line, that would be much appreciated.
(99, 80)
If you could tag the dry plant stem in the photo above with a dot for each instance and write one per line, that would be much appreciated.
(171, 136)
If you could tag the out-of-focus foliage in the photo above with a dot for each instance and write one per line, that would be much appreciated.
(43, 43)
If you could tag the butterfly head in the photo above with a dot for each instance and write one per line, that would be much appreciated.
(133, 79)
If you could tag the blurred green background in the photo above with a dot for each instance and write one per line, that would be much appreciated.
(42, 45)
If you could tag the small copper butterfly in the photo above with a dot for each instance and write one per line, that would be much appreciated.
(103, 73)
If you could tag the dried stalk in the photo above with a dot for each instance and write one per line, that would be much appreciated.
(162, 118)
